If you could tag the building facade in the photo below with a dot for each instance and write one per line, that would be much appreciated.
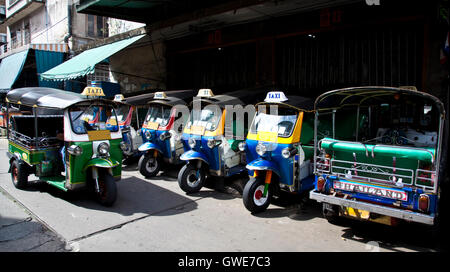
(50, 31)
(49, 22)
(304, 47)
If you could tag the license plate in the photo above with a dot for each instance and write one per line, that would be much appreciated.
(362, 214)
(152, 125)
(199, 130)
(370, 190)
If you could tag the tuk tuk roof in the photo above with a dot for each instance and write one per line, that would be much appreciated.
(241, 97)
(298, 102)
(47, 97)
(368, 95)
(173, 98)
(176, 97)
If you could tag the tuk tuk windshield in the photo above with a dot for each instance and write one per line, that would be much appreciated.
(206, 118)
(122, 112)
(281, 124)
(158, 114)
(93, 117)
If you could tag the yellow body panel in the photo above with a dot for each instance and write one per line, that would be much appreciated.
(97, 135)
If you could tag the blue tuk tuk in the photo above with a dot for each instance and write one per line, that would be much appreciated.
(279, 148)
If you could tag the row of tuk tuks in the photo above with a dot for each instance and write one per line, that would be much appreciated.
(368, 153)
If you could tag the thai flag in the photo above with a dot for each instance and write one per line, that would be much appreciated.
(445, 49)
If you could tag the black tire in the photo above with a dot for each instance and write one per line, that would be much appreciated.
(252, 195)
(108, 189)
(331, 214)
(149, 166)
(19, 174)
(186, 179)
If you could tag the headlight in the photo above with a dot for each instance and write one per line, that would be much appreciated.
(164, 136)
(191, 142)
(211, 143)
(148, 134)
(103, 149)
(260, 149)
(288, 152)
(75, 150)
(241, 146)
(123, 146)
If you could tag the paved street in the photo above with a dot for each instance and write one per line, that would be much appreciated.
(156, 215)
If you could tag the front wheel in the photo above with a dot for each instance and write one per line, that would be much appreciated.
(191, 178)
(107, 193)
(253, 198)
(149, 165)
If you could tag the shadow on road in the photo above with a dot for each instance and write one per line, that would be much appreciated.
(406, 235)
(411, 236)
(134, 196)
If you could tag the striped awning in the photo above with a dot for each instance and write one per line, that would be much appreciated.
(85, 62)
(54, 47)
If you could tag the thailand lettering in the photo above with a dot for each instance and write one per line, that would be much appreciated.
(359, 188)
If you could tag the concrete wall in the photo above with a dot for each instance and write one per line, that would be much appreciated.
(137, 68)
(117, 26)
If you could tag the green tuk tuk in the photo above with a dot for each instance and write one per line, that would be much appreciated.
(66, 140)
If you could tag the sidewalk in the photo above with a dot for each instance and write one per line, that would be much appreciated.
(19, 229)
(20, 232)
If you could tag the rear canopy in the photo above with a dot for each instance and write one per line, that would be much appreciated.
(370, 95)
(47, 98)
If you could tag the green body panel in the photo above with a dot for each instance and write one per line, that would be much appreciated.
(408, 159)
(46, 161)
(309, 151)
(307, 133)
(33, 157)
(77, 165)
(101, 162)
(385, 151)
(57, 181)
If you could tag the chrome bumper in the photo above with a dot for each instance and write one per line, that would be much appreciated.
(397, 213)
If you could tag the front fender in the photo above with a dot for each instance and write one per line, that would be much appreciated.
(261, 164)
(101, 162)
(148, 146)
(194, 155)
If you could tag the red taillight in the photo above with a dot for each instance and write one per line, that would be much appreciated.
(424, 203)
(320, 184)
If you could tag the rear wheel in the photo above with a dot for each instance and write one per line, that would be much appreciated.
(252, 196)
(19, 174)
(149, 165)
(191, 178)
(107, 193)
(331, 213)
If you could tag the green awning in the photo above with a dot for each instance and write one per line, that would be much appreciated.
(10, 69)
(85, 62)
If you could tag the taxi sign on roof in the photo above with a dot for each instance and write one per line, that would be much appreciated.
(275, 97)
(93, 91)
(160, 95)
(119, 97)
(205, 93)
